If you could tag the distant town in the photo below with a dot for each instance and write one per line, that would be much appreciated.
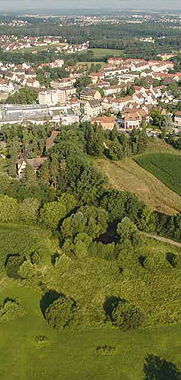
(126, 102)
(71, 84)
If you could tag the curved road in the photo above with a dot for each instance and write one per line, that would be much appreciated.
(162, 239)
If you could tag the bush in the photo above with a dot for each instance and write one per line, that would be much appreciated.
(104, 251)
(106, 349)
(28, 210)
(8, 209)
(128, 231)
(89, 220)
(53, 212)
(126, 315)
(13, 264)
(11, 309)
(60, 313)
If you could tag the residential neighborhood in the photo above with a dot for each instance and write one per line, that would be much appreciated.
(141, 86)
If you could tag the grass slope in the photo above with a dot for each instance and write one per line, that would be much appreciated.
(166, 167)
(129, 176)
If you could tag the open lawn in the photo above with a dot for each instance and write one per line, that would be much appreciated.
(105, 52)
(129, 176)
(72, 355)
(165, 166)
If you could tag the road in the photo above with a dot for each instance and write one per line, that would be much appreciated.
(163, 240)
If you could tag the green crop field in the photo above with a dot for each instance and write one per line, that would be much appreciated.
(165, 166)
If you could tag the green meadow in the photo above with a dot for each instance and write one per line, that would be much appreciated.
(73, 354)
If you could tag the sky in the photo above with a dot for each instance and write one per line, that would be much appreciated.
(58, 4)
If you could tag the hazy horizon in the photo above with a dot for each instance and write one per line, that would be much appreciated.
(17, 5)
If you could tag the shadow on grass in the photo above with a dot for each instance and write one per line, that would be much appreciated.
(110, 304)
(48, 298)
(159, 369)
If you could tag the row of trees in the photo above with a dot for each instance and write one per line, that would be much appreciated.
(25, 95)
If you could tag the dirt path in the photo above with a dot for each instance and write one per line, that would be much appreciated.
(162, 239)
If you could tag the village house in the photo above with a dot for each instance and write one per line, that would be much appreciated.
(103, 84)
(160, 66)
(107, 103)
(22, 163)
(49, 97)
(111, 73)
(139, 66)
(11, 76)
(92, 108)
(113, 90)
(69, 91)
(6, 86)
(34, 83)
(96, 77)
(177, 119)
(67, 82)
(90, 94)
(139, 97)
(105, 121)
(69, 118)
(131, 120)
(115, 61)
(62, 96)
(74, 103)
(119, 104)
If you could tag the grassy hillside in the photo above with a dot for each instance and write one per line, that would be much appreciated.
(157, 145)
(166, 167)
(129, 176)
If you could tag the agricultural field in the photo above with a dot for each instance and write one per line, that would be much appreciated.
(127, 175)
(166, 167)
